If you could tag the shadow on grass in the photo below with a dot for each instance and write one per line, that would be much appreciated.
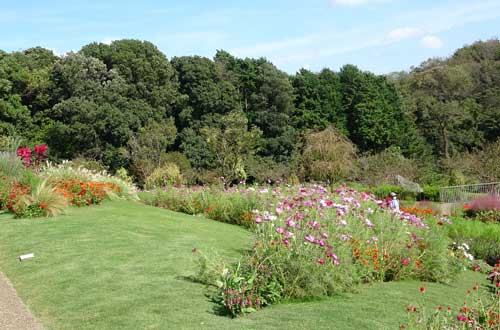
(211, 294)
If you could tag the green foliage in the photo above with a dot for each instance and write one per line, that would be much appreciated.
(430, 193)
(481, 237)
(328, 156)
(166, 175)
(126, 105)
(148, 146)
(232, 143)
(383, 167)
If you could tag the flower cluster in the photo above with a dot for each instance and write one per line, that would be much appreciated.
(482, 313)
(319, 243)
(33, 157)
(81, 193)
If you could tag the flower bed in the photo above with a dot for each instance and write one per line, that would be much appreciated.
(311, 242)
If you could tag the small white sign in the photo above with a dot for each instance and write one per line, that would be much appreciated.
(26, 256)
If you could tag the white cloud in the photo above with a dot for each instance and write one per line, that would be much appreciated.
(431, 42)
(403, 33)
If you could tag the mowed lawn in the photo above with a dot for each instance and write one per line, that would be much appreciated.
(124, 265)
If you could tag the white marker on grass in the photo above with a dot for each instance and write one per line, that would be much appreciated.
(26, 256)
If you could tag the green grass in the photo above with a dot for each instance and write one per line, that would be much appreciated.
(124, 265)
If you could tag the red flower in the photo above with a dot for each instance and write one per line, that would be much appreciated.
(41, 151)
(422, 289)
(405, 261)
(43, 206)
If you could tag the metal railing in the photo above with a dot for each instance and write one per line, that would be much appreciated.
(467, 193)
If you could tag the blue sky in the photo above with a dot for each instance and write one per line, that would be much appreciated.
(377, 35)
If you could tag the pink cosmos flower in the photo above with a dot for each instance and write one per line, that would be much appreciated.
(368, 223)
(405, 261)
(279, 210)
(286, 242)
(461, 318)
(321, 243)
(280, 230)
(325, 235)
(309, 238)
(288, 234)
(290, 223)
(258, 219)
(321, 261)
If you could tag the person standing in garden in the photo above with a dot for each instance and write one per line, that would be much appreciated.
(394, 204)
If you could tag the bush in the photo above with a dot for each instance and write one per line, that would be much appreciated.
(167, 175)
(178, 159)
(430, 193)
(329, 156)
(265, 170)
(89, 164)
(382, 168)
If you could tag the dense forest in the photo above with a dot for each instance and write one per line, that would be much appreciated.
(125, 105)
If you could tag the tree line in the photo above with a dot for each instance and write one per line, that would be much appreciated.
(126, 105)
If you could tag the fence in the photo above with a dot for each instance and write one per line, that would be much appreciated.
(467, 193)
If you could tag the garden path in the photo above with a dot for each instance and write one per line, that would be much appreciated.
(14, 315)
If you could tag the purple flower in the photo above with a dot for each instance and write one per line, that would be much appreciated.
(309, 238)
(280, 230)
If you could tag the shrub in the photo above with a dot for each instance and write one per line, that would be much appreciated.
(168, 174)
(266, 170)
(176, 158)
(89, 164)
(382, 168)
(430, 193)
(328, 156)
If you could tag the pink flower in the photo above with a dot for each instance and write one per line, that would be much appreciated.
(321, 243)
(258, 219)
(325, 235)
(286, 242)
(288, 234)
(368, 223)
(405, 261)
(320, 261)
(279, 210)
(290, 222)
(309, 238)
(461, 318)
(280, 230)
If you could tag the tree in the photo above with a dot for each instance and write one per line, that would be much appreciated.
(149, 145)
(318, 100)
(328, 155)
(232, 143)
(372, 107)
